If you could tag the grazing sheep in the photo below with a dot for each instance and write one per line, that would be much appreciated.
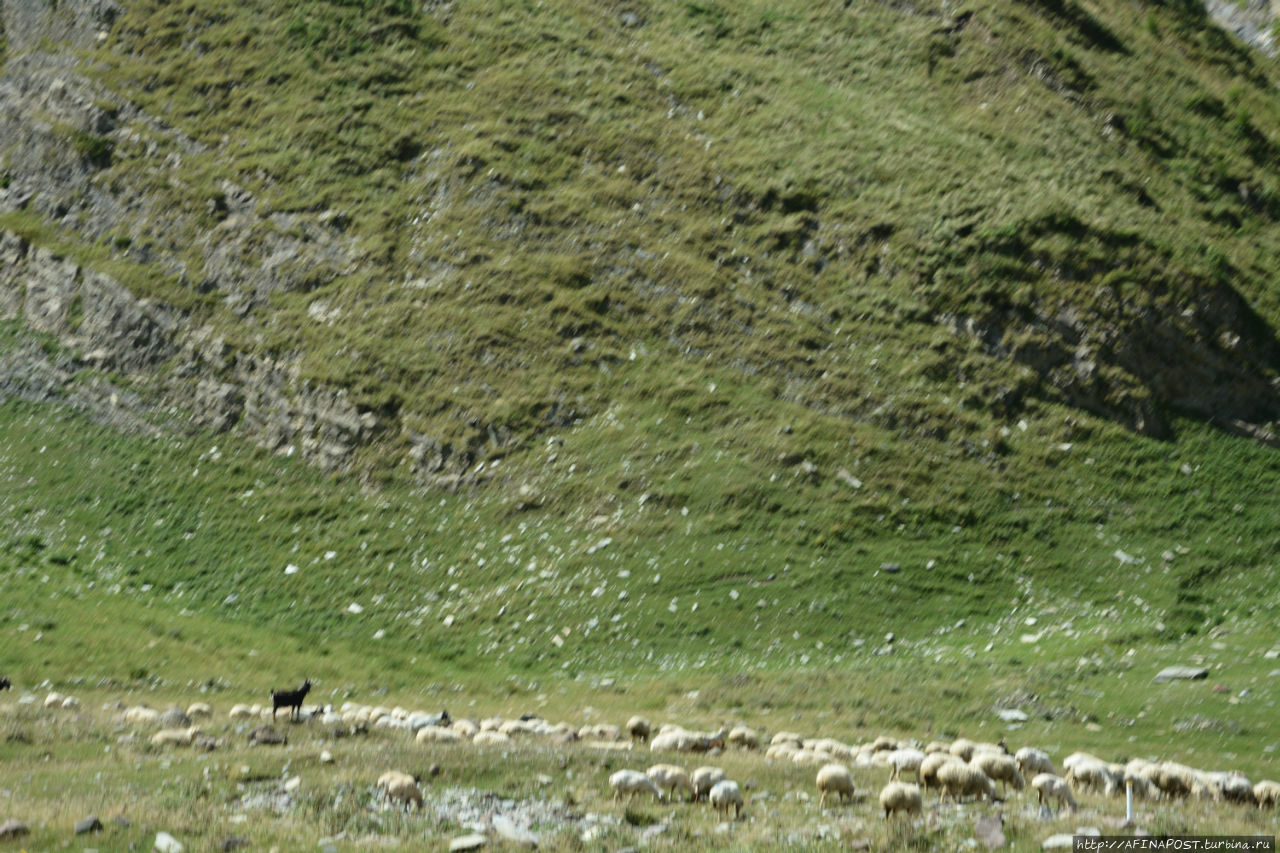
(834, 779)
(744, 738)
(632, 782)
(53, 700)
(175, 737)
(962, 748)
(141, 715)
(884, 744)
(401, 787)
(726, 794)
(1051, 787)
(1266, 793)
(639, 728)
(467, 728)
(199, 710)
(668, 777)
(959, 780)
(704, 779)
(70, 703)
(490, 738)
(1088, 773)
(1179, 780)
(435, 734)
(937, 746)
(999, 768)
(240, 712)
(1032, 761)
(900, 797)
(291, 699)
(928, 770)
(1229, 787)
(906, 758)
(792, 738)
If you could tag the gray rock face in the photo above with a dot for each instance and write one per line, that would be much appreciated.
(1176, 673)
(89, 824)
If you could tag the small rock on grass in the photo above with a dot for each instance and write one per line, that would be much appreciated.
(166, 843)
(474, 841)
(1172, 673)
(89, 824)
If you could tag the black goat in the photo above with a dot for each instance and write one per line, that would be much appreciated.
(4, 683)
(291, 699)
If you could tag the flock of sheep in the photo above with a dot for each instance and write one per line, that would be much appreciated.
(957, 769)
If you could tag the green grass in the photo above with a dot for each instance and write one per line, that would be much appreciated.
(714, 317)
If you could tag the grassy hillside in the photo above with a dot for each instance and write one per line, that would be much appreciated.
(751, 335)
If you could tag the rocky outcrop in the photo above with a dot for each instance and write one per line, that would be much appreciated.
(1209, 357)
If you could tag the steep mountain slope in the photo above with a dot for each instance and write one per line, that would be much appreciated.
(820, 290)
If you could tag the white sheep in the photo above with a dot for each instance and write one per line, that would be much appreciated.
(52, 701)
(175, 737)
(436, 734)
(141, 715)
(1178, 780)
(240, 712)
(1229, 786)
(668, 777)
(639, 728)
(835, 779)
(1052, 787)
(401, 787)
(900, 797)
(1032, 761)
(999, 768)
(1266, 793)
(199, 710)
(726, 794)
(744, 737)
(70, 703)
(928, 770)
(704, 779)
(959, 780)
(905, 759)
(884, 744)
(1089, 773)
(962, 748)
(490, 738)
(467, 728)
(792, 738)
(632, 782)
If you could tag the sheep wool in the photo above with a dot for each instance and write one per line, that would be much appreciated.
(1051, 787)
(960, 780)
(704, 779)
(632, 782)
(668, 777)
(900, 797)
(999, 768)
(726, 794)
(834, 779)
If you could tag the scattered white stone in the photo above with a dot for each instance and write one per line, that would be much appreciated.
(474, 841)
(291, 569)
(1011, 715)
(1061, 841)
(507, 829)
(326, 757)
(1126, 558)
(166, 843)
(354, 608)
(329, 555)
